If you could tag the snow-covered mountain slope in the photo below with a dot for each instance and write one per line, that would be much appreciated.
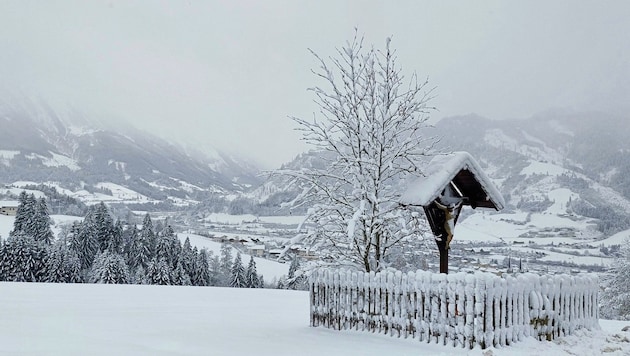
(42, 144)
(556, 170)
(566, 166)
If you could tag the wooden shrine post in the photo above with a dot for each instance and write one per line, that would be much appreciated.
(442, 219)
(450, 181)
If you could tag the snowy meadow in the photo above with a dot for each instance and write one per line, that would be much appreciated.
(93, 319)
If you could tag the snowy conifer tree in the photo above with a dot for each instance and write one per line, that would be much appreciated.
(62, 264)
(237, 273)
(138, 276)
(617, 291)
(188, 258)
(116, 243)
(295, 280)
(109, 268)
(3, 265)
(225, 265)
(180, 276)
(32, 218)
(41, 223)
(282, 282)
(176, 245)
(138, 250)
(84, 243)
(102, 225)
(201, 273)
(370, 127)
(159, 272)
(147, 234)
(169, 245)
(23, 259)
(163, 248)
(25, 215)
(251, 275)
(214, 269)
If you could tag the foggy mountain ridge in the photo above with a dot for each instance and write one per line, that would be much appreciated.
(574, 165)
(579, 158)
(570, 164)
(39, 143)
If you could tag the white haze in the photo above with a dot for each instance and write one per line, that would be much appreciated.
(229, 73)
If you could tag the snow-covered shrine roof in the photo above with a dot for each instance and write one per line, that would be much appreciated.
(462, 171)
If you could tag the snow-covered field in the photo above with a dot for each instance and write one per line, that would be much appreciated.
(6, 225)
(88, 319)
(269, 269)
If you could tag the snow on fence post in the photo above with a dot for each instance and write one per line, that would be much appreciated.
(360, 298)
(519, 307)
(372, 300)
(469, 310)
(481, 293)
(459, 296)
(511, 309)
(316, 298)
(463, 310)
(434, 313)
(424, 284)
(489, 311)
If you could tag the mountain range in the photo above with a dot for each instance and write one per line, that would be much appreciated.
(564, 164)
(573, 165)
(74, 151)
(557, 162)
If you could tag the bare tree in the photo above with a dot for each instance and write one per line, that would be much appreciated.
(370, 130)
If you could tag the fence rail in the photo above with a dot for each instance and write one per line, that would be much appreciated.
(459, 309)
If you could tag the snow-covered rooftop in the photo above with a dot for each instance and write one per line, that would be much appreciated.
(456, 167)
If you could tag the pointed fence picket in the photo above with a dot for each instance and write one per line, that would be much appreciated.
(462, 310)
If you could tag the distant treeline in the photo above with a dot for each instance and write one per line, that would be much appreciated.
(101, 250)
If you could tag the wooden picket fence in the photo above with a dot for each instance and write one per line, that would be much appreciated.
(459, 309)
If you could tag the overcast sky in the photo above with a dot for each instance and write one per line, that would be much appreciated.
(229, 73)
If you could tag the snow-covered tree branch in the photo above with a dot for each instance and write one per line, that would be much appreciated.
(370, 129)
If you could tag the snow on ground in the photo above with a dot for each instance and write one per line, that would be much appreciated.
(58, 160)
(541, 221)
(17, 187)
(589, 260)
(283, 219)
(543, 168)
(498, 138)
(489, 227)
(617, 239)
(187, 187)
(269, 269)
(560, 198)
(121, 193)
(92, 198)
(6, 156)
(59, 188)
(59, 221)
(228, 219)
(89, 319)
(6, 225)
(223, 218)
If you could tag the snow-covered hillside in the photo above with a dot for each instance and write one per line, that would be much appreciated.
(270, 270)
(89, 319)
(40, 142)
